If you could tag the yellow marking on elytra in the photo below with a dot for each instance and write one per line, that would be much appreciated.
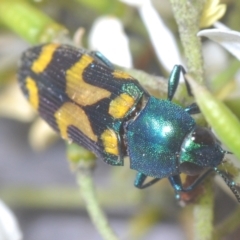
(121, 75)
(121, 105)
(110, 142)
(80, 91)
(32, 92)
(70, 114)
(45, 57)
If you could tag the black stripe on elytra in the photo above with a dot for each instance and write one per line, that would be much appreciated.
(80, 138)
(98, 116)
(101, 76)
(52, 82)
(62, 60)
(27, 59)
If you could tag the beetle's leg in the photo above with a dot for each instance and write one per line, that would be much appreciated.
(173, 81)
(231, 184)
(177, 183)
(192, 109)
(140, 178)
(102, 58)
(114, 162)
(198, 181)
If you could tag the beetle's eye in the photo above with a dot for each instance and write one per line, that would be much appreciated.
(203, 136)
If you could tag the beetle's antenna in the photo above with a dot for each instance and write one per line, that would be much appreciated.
(231, 184)
(227, 152)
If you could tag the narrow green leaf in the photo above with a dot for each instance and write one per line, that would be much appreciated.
(105, 6)
(234, 105)
(225, 124)
(28, 22)
(225, 76)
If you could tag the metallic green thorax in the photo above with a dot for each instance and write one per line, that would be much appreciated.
(155, 137)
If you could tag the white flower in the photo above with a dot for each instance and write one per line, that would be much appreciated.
(162, 39)
(226, 37)
(107, 36)
(9, 229)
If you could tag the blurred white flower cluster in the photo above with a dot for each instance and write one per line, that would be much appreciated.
(9, 229)
(108, 37)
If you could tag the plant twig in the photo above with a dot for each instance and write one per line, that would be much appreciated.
(203, 214)
(187, 14)
(83, 162)
(228, 226)
(87, 189)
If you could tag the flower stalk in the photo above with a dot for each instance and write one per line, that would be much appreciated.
(188, 14)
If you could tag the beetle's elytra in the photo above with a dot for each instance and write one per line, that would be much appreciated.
(87, 101)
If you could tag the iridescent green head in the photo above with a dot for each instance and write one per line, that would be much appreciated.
(200, 150)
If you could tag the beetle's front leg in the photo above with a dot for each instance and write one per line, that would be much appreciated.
(176, 183)
(173, 81)
(98, 55)
(140, 179)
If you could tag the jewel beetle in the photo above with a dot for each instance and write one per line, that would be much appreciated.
(82, 97)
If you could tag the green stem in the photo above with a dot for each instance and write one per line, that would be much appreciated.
(203, 214)
(30, 23)
(187, 14)
(83, 162)
(65, 198)
(88, 193)
(228, 226)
